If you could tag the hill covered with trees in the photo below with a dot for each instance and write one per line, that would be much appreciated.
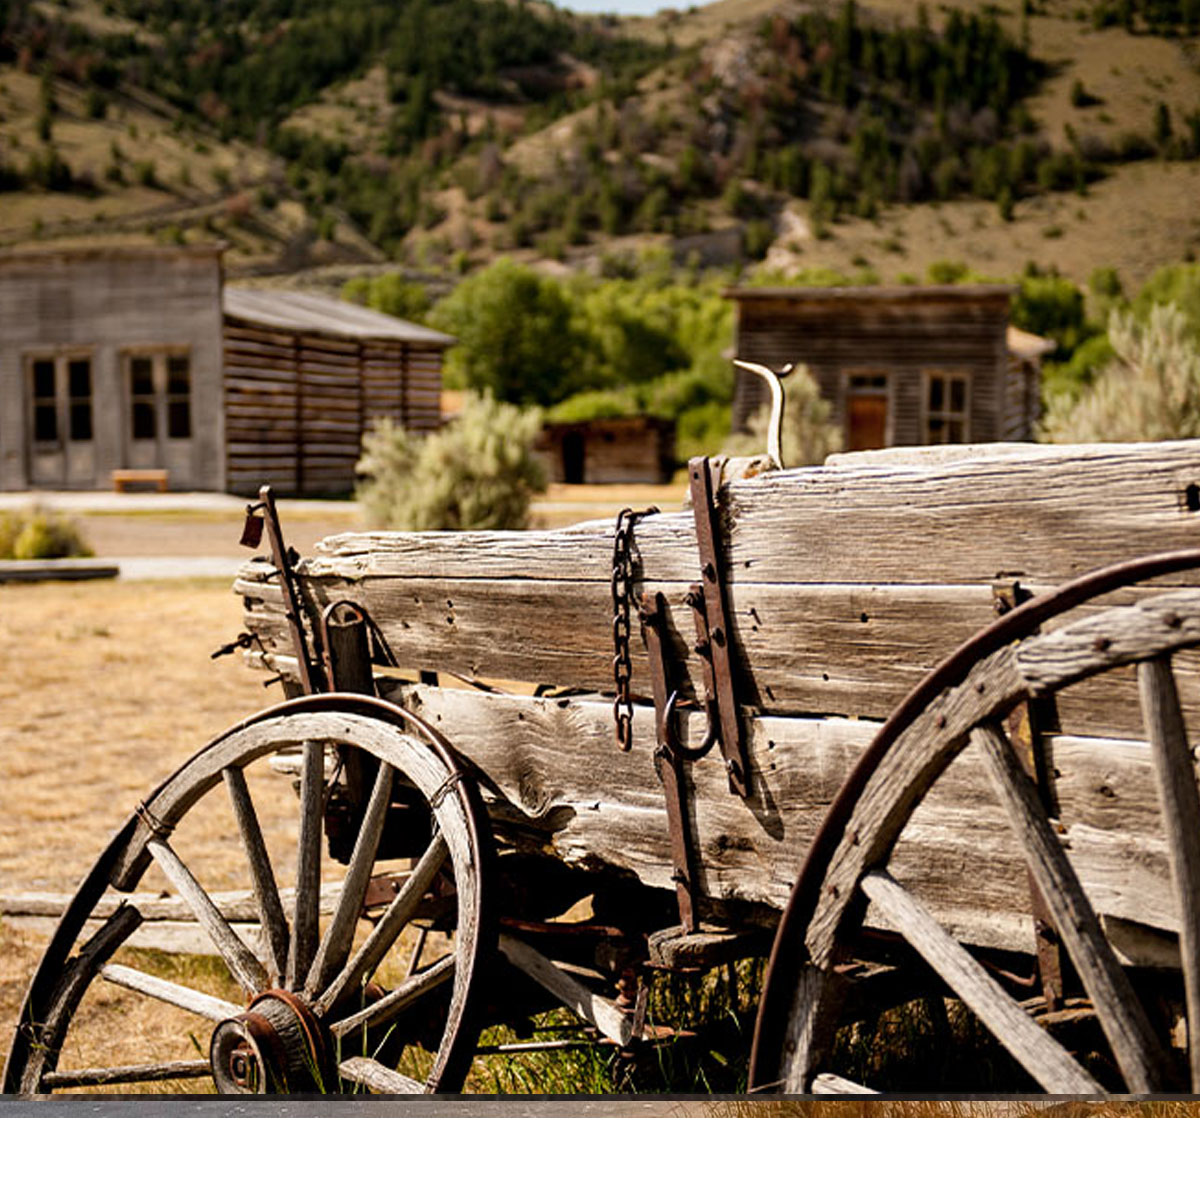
(451, 131)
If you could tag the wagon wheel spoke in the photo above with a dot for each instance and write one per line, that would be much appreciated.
(397, 1000)
(335, 945)
(1175, 776)
(371, 953)
(303, 944)
(1053, 1068)
(240, 960)
(189, 999)
(198, 1068)
(266, 891)
(378, 1078)
(1120, 1013)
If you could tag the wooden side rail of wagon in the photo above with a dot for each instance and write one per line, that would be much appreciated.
(1001, 839)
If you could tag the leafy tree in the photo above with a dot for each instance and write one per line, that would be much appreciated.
(514, 334)
(390, 293)
(478, 472)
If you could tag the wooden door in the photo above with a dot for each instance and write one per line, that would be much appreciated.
(867, 421)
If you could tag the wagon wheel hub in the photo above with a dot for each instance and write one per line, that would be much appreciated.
(275, 1046)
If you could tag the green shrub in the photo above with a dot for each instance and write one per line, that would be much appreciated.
(40, 533)
(479, 472)
(1150, 393)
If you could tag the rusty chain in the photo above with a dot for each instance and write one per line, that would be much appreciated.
(622, 578)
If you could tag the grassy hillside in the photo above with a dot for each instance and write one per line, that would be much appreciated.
(871, 138)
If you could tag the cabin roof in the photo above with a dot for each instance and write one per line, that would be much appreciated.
(307, 312)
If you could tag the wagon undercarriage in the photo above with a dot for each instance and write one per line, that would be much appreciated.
(430, 847)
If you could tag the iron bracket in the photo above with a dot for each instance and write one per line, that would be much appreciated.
(668, 763)
(714, 645)
(284, 559)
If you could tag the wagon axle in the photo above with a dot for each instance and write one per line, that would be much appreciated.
(276, 1045)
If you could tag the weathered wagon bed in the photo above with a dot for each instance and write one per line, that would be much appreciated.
(847, 584)
(953, 754)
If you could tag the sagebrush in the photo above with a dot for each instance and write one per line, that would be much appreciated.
(41, 533)
(1150, 392)
(477, 472)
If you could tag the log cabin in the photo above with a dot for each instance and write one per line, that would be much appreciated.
(638, 449)
(135, 362)
(900, 366)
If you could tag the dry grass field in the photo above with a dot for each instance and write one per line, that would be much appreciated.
(106, 688)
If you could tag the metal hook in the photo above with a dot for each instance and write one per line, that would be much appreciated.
(673, 740)
(774, 381)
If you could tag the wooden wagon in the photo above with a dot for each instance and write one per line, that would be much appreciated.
(488, 822)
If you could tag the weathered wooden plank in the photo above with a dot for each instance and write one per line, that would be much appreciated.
(1175, 772)
(581, 1000)
(1026, 1041)
(378, 1078)
(1045, 516)
(1120, 1012)
(852, 650)
(559, 781)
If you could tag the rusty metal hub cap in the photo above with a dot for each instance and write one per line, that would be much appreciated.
(275, 1046)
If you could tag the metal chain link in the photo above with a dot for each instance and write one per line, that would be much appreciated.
(622, 577)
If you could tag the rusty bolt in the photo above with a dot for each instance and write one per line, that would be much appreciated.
(1172, 620)
(940, 722)
(1101, 643)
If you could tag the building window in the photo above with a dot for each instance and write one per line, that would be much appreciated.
(79, 395)
(61, 392)
(45, 400)
(141, 393)
(947, 405)
(179, 396)
(160, 395)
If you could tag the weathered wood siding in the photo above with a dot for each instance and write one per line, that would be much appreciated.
(297, 405)
(105, 304)
(904, 332)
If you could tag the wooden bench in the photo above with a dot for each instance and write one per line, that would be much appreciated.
(124, 476)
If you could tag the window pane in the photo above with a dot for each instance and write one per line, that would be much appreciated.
(81, 421)
(954, 431)
(958, 395)
(936, 391)
(179, 376)
(141, 376)
(43, 379)
(179, 419)
(79, 379)
(143, 420)
(45, 423)
(937, 432)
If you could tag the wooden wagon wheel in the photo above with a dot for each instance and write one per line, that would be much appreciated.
(963, 704)
(304, 1010)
